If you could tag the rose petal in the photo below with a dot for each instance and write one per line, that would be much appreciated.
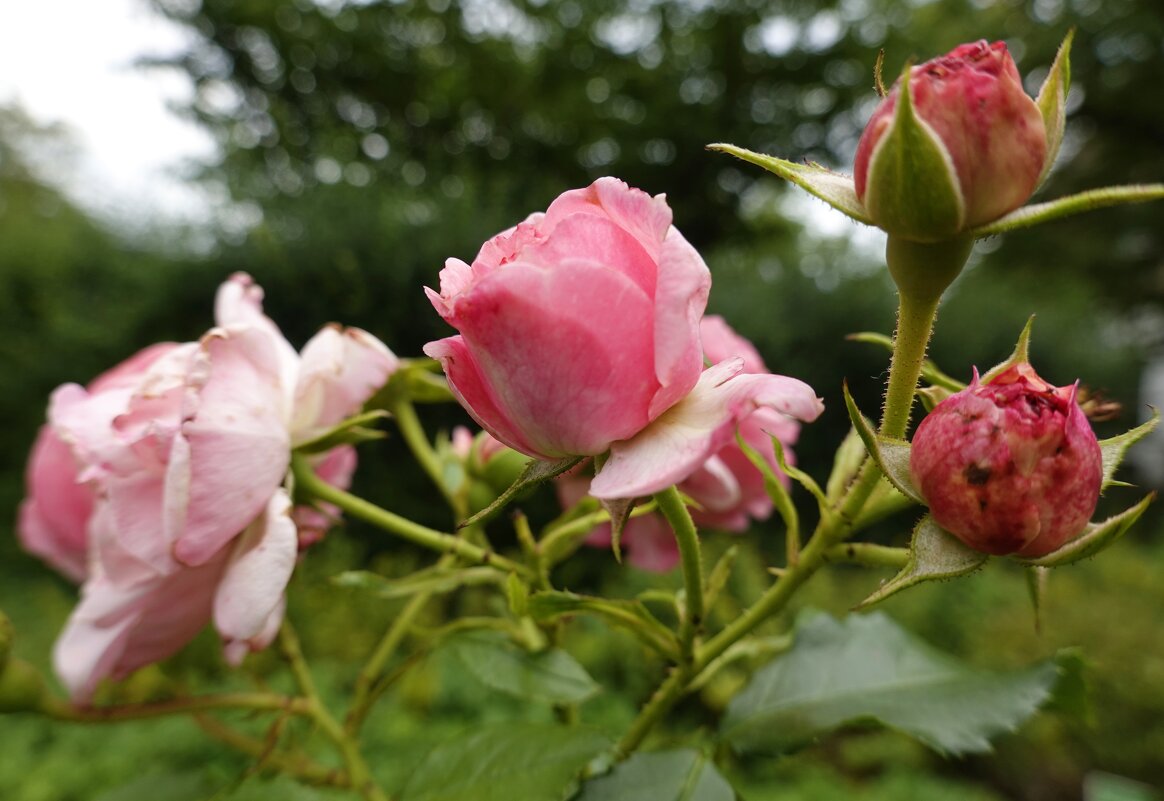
(256, 574)
(673, 446)
(339, 369)
(238, 439)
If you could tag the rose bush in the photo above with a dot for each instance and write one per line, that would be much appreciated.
(181, 454)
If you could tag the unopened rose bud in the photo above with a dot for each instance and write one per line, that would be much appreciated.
(1010, 465)
(969, 147)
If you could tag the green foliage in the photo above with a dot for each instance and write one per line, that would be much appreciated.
(551, 676)
(867, 668)
(533, 762)
(661, 776)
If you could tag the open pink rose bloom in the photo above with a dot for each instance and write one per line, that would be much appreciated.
(579, 335)
(161, 485)
(1010, 465)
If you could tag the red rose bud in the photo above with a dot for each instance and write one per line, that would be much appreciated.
(969, 146)
(1009, 466)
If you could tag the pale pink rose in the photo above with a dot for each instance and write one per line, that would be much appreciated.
(186, 460)
(579, 334)
(54, 516)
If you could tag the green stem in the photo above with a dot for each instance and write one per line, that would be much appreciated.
(358, 772)
(672, 506)
(922, 273)
(61, 710)
(299, 766)
(413, 433)
(364, 693)
(868, 554)
(306, 481)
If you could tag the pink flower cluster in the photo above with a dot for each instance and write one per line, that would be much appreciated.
(160, 485)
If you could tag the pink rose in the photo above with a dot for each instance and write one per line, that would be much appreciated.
(54, 517)
(185, 455)
(579, 334)
(1010, 465)
(727, 486)
(990, 133)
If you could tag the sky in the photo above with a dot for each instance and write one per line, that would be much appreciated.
(72, 61)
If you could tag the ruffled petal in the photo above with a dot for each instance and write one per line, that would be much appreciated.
(680, 298)
(676, 444)
(256, 575)
(339, 369)
(239, 446)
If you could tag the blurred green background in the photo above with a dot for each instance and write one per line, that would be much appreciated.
(372, 140)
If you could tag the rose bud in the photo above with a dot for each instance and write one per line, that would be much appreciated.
(1009, 465)
(969, 146)
(579, 334)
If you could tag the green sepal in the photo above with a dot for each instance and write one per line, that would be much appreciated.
(717, 579)
(1037, 589)
(352, 431)
(833, 188)
(930, 370)
(912, 189)
(1052, 103)
(1037, 213)
(847, 463)
(891, 455)
(934, 553)
(1020, 355)
(418, 380)
(777, 492)
(536, 472)
(1095, 538)
(1113, 449)
(932, 396)
(517, 594)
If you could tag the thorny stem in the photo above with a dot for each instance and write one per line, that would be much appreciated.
(672, 506)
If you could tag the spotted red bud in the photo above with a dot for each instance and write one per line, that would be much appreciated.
(1010, 465)
(968, 146)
